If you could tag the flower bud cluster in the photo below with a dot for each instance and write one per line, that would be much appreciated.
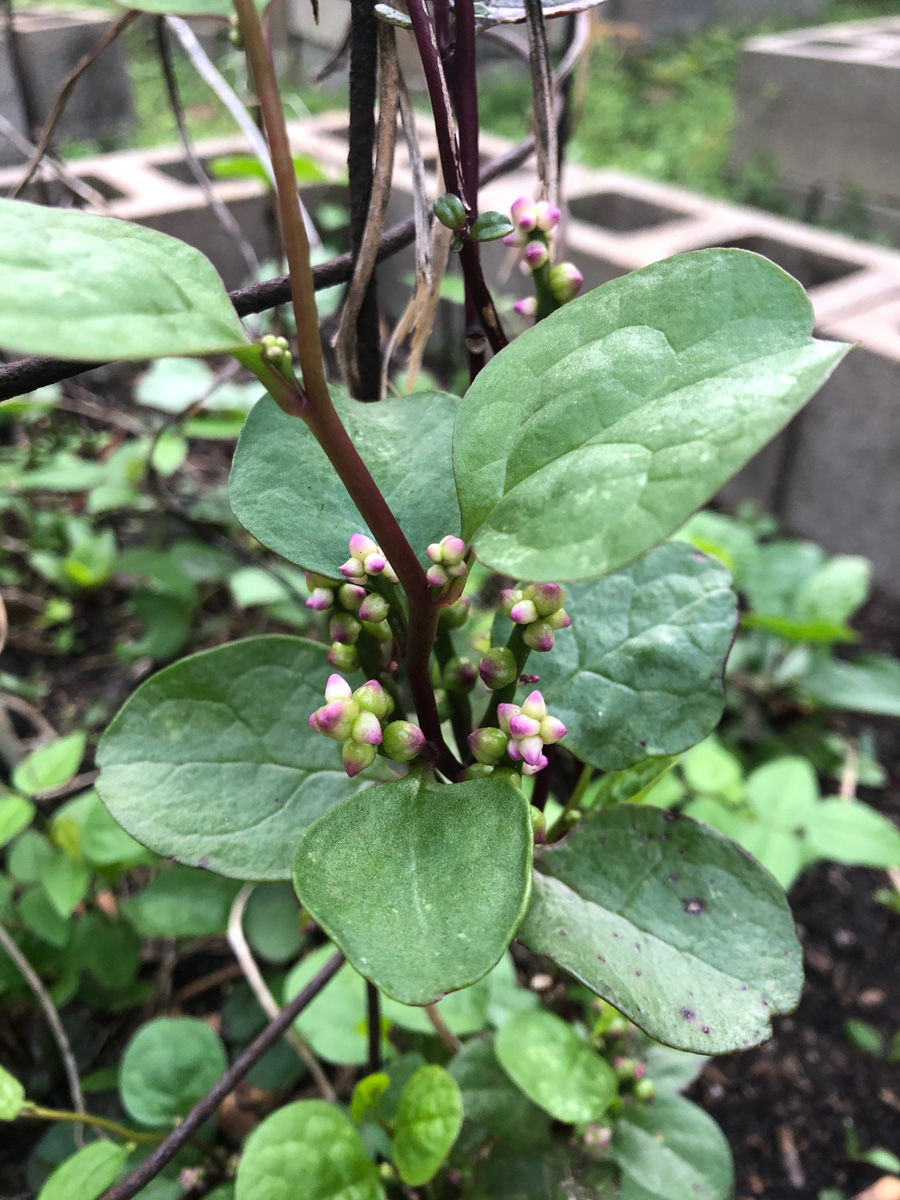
(529, 728)
(359, 608)
(356, 719)
(276, 350)
(539, 607)
(535, 228)
(448, 558)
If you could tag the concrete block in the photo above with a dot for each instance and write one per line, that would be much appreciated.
(52, 42)
(822, 107)
(660, 19)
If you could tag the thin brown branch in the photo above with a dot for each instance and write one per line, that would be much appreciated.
(62, 98)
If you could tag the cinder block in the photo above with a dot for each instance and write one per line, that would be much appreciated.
(52, 41)
(657, 19)
(822, 107)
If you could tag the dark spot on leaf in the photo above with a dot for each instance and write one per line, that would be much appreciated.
(745, 987)
(643, 744)
(673, 878)
(638, 974)
(663, 837)
(704, 1029)
(765, 1004)
(615, 935)
(682, 851)
(668, 815)
(637, 945)
(693, 906)
(562, 933)
(689, 1014)
(698, 557)
(600, 958)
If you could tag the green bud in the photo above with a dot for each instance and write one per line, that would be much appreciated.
(645, 1089)
(456, 615)
(357, 756)
(457, 244)
(379, 630)
(344, 628)
(498, 668)
(450, 211)
(490, 226)
(374, 609)
(372, 697)
(402, 741)
(343, 658)
(477, 771)
(459, 675)
(538, 825)
(488, 745)
(510, 775)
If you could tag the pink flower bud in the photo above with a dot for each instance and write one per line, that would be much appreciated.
(534, 706)
(547, 597)
(390, 574)
(453, 549)
(357, 756)
(521, 726)
(565, 281)
(524, 612)
(351, 595)
(344, 629)
(536, 254)
(434, 552)
(335, 720)
(523, 213)
(533, 768)
(552, 730)
(513, 239)
(514, 752)
(546, 216)
(374, 563)
(505, 713)
(538, 636)
(508, 598)
(353, 569)
(361, 545)
(559, 619)
(371, 697)
(531, 749)
(337, 688)
(367, 729)
(526, 307)
(374, 608)
(320, 599)
(437, 576)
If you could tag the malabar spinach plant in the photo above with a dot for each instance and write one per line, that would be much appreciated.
(401, 783)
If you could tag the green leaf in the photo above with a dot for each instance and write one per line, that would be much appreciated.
(634, 783)
(189, 8)
(428, 1123)
(709, 767)
(672, 1149)
(836, 590)
(65, 881)
(50, 766)
(87, 287)
(783, 797)
(108, 949)
(490, 226)
(167, 1067)
(182, 902)
(212, 761)
(464, 1012)
(367, 1093)
(599, 431)
(272, 922)
(848, 831)
(42, 917)
(87, 1174)
(491, 1099)
(16, 814)
(335, 1023)
(307, 1149)
(12, 1096)
(672, 923)
(555, 1068)
(869, 684)
(374, 874)
(864, 1037)
(640, 671)
(104, 843)
(286, 493)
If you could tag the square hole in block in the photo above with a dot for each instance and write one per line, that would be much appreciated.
(103, 186)
(620, 212)
(808, 267)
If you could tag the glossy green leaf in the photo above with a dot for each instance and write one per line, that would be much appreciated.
(671, 922)
(87, 1174)
(428, 1123)
(491, 1099)
(50, 766)
(182, 902)
(335, 1023)
(212, 761)
(367, 1093)
(671, 1149)
(490, 226)
(168, 1065)
(285, 491)
(272, 922)
(307, 1149)
(869, 684)
(374, 874)
(86, 287)
(555, 1068)
(597, 433)
(16, 814)
(640, 672)
(848, 831)
(12, 1096)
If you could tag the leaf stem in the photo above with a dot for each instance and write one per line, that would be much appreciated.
(204, 1109)
(62, 1114)
(373, 1019)
(318, 411)
(562, 823)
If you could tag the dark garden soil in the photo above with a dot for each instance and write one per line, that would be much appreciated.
(791, 1107)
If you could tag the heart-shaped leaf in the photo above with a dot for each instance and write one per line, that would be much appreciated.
(421, 884)
(556, 1068)
(640, 672)
(599, 431)
(671, 1149)
(167, 1067)
(670, 921)
(307, 1149)
(86, 287)
(428, 1123)
(286, 492)
(212, 761)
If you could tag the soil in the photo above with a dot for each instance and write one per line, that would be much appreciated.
(793, 1108)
